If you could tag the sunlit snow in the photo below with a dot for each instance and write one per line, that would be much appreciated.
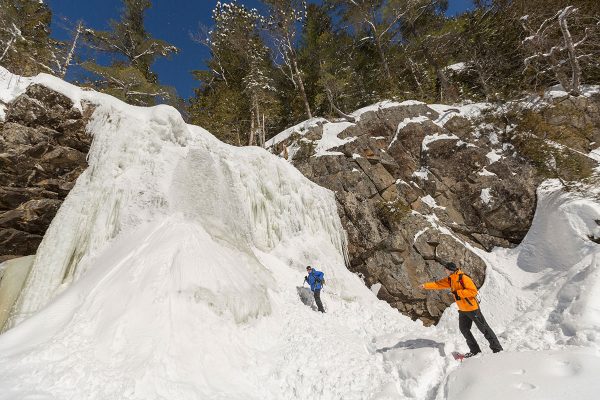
(174, 271)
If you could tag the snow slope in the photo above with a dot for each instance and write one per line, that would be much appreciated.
(173, 271)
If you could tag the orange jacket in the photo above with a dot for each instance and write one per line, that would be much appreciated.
(464, 294)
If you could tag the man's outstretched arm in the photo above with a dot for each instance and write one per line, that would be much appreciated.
(437, 285)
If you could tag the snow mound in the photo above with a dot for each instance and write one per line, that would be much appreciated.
(528, 375)
(557, 91)
(560, 233)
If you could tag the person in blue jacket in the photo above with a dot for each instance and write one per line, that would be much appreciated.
(315, 280)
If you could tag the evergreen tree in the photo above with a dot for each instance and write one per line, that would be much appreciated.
(431, 37)
(331, 81)
(369, 21)
(129, 76)
(240, 70)
(339, 55)
(25, 44)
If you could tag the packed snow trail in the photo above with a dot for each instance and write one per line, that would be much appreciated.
(171, 272)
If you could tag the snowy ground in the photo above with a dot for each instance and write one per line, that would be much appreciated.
(174, 269)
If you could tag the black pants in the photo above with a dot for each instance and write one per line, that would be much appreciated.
(318, 300)
(465, 321)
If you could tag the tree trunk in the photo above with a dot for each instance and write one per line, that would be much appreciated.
(72, 50)
(575, 89)
(258, 124)
(8, 46)
(482, 80)
(411, 63)
(386, 67)
(347, 117)
(300, 85)
(251, 136)
(264, 132)
(237, 135)
(445, 87)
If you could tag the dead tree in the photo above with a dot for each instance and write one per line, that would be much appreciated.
(554, 50)
(71, 52)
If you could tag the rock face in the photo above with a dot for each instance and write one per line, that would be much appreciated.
(43, 147)
(417, 185)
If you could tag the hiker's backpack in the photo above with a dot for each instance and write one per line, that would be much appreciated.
(460, 280)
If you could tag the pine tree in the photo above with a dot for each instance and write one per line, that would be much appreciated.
(369, 22)
(240, 69)
(331, 81)
(432, 39)
(25, 44)
(129, 76)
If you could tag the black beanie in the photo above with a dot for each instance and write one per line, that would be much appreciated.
(450, 266)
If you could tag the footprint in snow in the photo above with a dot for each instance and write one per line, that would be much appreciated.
(525, 386)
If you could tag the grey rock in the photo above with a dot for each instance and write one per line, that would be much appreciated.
(396, 237)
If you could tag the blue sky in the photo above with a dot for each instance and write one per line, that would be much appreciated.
(170, 20)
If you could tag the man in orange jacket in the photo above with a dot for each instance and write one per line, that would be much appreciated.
(464, 291)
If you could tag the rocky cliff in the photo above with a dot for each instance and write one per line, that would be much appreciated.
(43, 148)
(417, 184)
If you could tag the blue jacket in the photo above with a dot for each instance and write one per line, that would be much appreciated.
(315, 279)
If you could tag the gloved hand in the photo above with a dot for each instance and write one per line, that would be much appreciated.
(456, 296)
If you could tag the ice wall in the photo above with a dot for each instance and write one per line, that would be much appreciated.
(13, 274)
(146, 164)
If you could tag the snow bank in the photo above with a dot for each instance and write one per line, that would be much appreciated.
(299, 129)
(528, 375)
(566, 225)
(457, 67)
(405, 122)
(376, 107)
(469, 111)
(430, 201)
(427, 140)
(493, 156)
(486, 195)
